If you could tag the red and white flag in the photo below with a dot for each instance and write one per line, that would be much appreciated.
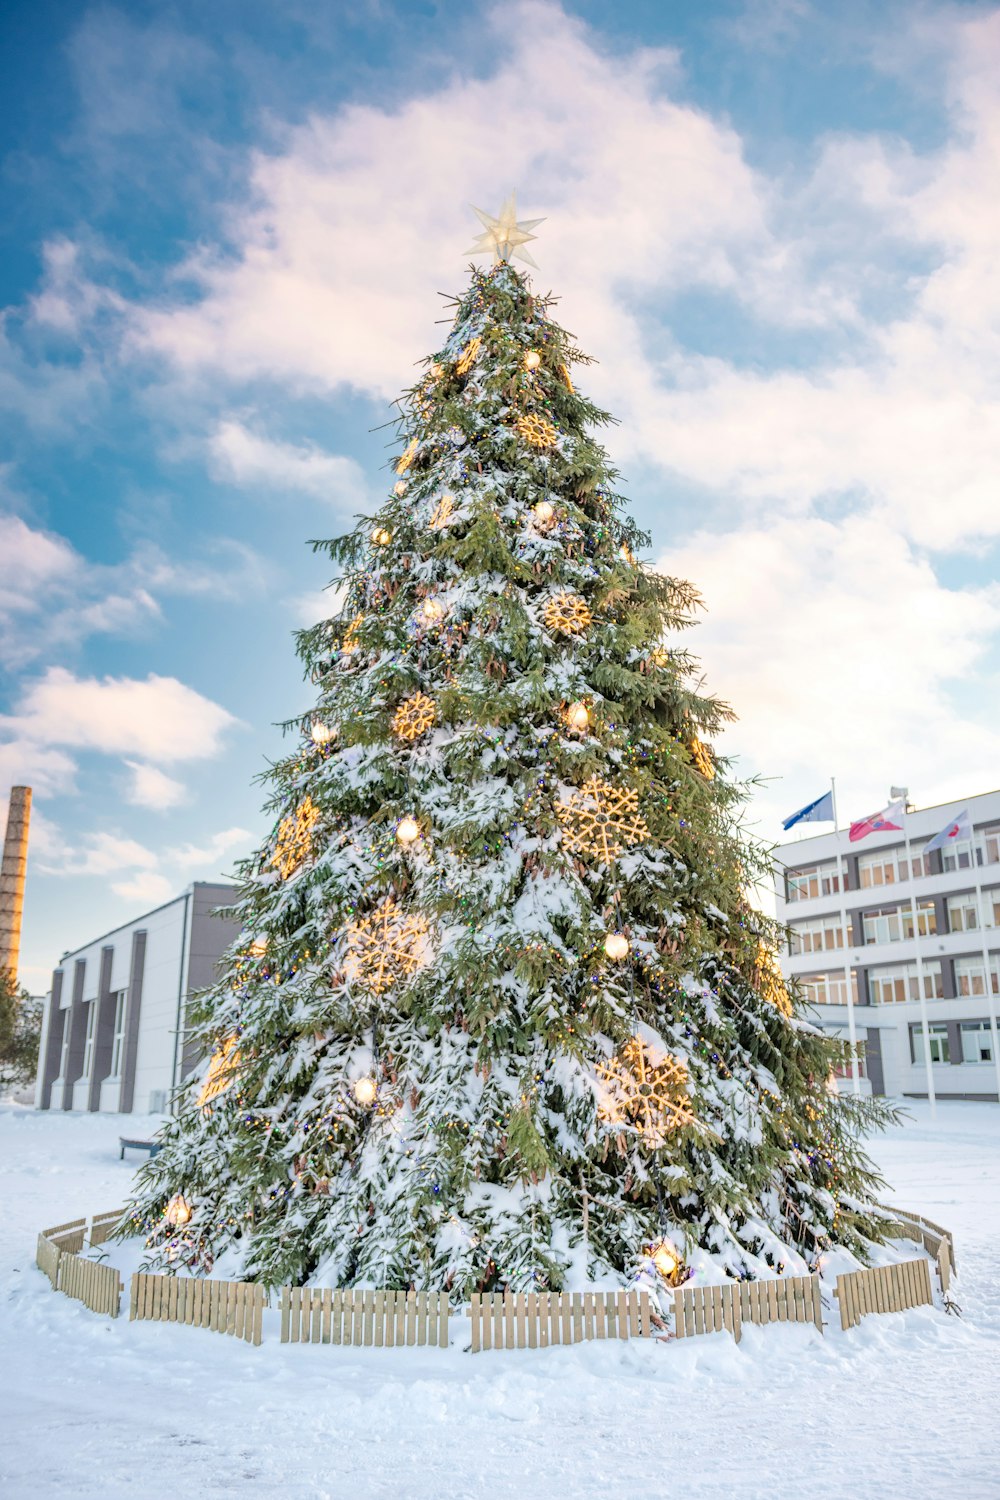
(960, 829)
(888, 820)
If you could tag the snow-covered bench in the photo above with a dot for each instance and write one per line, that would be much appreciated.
(130, 1143)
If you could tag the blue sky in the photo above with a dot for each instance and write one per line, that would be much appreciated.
(225, 229)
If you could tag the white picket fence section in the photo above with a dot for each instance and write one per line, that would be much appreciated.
(883, 1289)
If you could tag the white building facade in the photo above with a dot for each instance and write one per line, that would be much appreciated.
(919, 936)
(114, 1034)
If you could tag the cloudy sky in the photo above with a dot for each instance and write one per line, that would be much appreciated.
(776, 224)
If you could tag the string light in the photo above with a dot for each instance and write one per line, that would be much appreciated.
(399, 488)
(365, 1090)
(178, 1211)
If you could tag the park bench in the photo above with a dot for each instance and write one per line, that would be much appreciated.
(128, 1143)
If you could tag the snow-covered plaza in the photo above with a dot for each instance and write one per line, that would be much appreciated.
(905, 1405)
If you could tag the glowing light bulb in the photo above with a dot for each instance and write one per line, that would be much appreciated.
(407, 829)
(431, 611)
(381, 537)
(399, 488)
(664, 1258)
(532, 359)
(320, 733)
(616, 945)
(364, 1091)
(544, 511)
(258, 947)
(578, 716)
(178, 1211)
(436, 370)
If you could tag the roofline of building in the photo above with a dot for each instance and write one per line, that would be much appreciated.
(188, 890)
(832, 832)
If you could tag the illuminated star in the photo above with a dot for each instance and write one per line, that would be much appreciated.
(504, 236)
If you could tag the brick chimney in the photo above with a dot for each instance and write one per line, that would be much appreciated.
(12, 873)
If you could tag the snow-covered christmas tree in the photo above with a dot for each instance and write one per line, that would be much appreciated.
(502, 1014)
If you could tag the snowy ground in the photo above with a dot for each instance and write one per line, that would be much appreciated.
(905, 1406)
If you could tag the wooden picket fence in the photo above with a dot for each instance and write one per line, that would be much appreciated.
(936, 1241)
(380, 1320)
(536, 1320)
(69, 1236)
(97, 1286)
(712, 1309)
(233, 1307)
(883, 1289)
(47, 1259)
(101, 1226)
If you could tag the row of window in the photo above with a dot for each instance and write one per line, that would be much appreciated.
(977, 1042)
(894, 924)
(900, 983)
(118, 1042)
(890, 866)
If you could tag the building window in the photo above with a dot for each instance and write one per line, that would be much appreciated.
(67, 1016)
(811, 881)
(118, 1045)
(963, 913)
(970, 975)
(989, 846)
(817, 936)
(828, 989)
(938, 1040)
(88, 1046)
(896, 985)
(889, 924)
(957, 855)
(889, 867)
(977, 1042)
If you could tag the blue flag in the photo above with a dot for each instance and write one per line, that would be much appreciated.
(820, 811)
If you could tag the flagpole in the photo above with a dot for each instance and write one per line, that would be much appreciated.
(929, 1066)
(987, 971)
(848, 976)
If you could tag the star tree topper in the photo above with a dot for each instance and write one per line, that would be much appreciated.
(505, 237)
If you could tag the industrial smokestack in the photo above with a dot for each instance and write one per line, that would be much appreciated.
(12, 873)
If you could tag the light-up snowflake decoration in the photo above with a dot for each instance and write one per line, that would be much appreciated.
(768, 980)
(407, 456)
(567, 614)
(221, 1070)
(414, 716)
(385, 947)
(702, 757)
(537, 432)
(649, 1096)
(295, 838)
(600, 820)
(468, 356)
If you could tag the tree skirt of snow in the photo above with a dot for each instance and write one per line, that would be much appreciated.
(904, 1405)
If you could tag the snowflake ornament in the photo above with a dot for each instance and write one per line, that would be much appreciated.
(567, 614)
(224, 1063)
(295, 838)
(702, 757)
(407, 456)
(414, 717)
(537, 432)
(601, 820)
(385, 947)
(468, 356)
(649, 1096)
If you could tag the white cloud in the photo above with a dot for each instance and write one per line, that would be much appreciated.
(151, 787)
(145, 889)
(242, 457)
(193, 857)
(102, 854)
(843, 654)
(159, 719)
